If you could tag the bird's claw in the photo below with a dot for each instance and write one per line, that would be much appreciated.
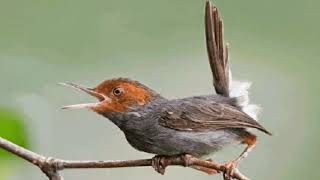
(158, 164)
(230, 168)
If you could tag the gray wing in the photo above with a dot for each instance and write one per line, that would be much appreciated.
(205, 117)
(217, 50)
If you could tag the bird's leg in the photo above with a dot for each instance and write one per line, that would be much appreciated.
(231, 166)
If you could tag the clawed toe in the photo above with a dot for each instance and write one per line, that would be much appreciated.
(230, 168)
(158, 164)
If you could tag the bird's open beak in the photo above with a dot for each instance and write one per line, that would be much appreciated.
(101, 97)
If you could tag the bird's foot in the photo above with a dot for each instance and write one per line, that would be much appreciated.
(159, 163)
(230, 168)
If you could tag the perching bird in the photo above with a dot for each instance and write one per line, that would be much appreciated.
(198, 125)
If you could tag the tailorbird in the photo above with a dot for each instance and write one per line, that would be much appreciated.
(196, 126)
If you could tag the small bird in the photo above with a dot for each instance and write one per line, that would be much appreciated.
(197, 126)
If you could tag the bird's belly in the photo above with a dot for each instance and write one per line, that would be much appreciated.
(177, 142)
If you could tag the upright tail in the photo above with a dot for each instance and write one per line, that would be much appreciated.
(219, 63)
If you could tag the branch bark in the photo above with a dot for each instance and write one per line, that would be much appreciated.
(51, 166)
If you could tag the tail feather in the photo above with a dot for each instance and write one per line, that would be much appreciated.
(217, 50)
(219, 62)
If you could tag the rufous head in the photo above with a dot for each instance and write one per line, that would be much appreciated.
(114, 95)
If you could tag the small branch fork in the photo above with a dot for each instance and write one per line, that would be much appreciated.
(51, 166)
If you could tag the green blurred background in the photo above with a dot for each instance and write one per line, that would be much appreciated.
(274, 43)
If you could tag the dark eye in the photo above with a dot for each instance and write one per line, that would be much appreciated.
(117, 91)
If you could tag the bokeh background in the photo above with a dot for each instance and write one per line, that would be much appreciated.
(274, 43)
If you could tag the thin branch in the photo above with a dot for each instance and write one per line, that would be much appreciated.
(47, 165)
(51, 166)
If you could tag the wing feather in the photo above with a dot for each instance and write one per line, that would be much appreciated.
(207, 117)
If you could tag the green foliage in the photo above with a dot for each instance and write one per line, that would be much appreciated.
(13, 129)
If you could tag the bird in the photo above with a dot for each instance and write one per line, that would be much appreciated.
(198, 126)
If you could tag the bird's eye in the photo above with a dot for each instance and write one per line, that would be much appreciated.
(117, 91)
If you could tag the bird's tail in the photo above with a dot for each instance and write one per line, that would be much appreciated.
(219, 62)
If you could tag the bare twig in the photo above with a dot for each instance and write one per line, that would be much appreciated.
(52, 166)
(47, 165)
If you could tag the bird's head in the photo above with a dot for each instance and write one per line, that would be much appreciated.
(114, 95)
